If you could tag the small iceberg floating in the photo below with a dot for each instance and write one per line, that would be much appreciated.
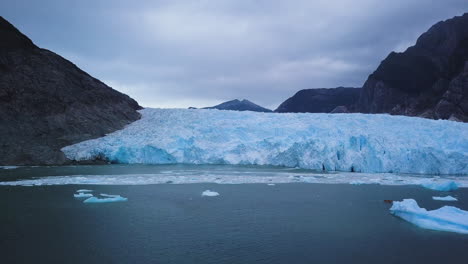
(446, 198)
(447, 218)
(82, 195)
(109, 198)
(83, 190)
(446, 186)
(9, 167)
(209, 193)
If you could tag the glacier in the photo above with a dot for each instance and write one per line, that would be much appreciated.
(325, 142)
(447, 218)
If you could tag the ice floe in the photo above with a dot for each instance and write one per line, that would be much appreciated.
(83, 190)
(9, 167)
(447, 218)
(210, 193)
(229, 177)
(109, 198)
(446, 198)
(440, 185)
(329, 142)
(82, 195)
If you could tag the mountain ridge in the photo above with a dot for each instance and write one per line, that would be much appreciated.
(320, 100)
(47, 102)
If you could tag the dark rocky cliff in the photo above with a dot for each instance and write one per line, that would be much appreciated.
(46, 103)
(429, 79)
(320, 100)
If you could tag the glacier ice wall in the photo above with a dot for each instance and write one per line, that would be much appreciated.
(329, 142)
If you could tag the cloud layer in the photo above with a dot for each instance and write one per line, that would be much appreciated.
(199, 53)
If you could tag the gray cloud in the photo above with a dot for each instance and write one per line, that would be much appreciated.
(198, 53)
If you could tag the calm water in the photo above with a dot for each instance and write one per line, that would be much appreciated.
(247, 223)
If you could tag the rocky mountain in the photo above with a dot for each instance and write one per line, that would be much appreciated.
(46, 103)
(239, 105)
(336, 100)
(429, 79)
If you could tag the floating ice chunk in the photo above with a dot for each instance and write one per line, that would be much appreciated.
(109, 199)
(109, 195)
(357, 182)
(209, 193)
(82, 195)
(446, 198)
(323, 142)
(271, 184)
(447, 218)
(440, 185)
(229, 175)
(83, 190)
(8, 167)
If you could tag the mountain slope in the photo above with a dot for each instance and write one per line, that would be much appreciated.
(46, 102)
(429, 79)
(238, 105)
(320, 100)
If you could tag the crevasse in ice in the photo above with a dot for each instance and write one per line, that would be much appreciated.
(329, 142)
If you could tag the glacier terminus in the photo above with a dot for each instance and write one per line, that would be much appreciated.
(324, 142)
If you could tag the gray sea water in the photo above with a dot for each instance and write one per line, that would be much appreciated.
(248, 223)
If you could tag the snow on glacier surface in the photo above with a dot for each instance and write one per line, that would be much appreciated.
(447, 218)
(330, 142)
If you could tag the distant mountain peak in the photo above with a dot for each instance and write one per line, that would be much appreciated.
(239, 105)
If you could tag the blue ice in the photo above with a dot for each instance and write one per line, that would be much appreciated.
(447, 218)
(446, 198)
(352, 142)
(440, 185)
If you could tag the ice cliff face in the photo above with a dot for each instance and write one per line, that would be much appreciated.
(330, 142)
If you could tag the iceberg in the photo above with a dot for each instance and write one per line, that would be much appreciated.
(446, 198)
(446, 186)
(83, 190)
(210, 193)
(108, 199)
(9, 167)
(82, 195)
(324, 142)
(447, 218)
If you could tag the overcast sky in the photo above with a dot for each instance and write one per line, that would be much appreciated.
(200, 53)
